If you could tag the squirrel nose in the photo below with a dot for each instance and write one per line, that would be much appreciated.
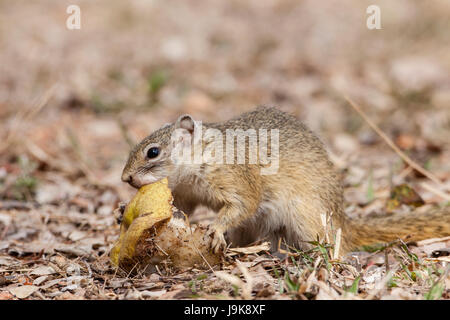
(127, 178)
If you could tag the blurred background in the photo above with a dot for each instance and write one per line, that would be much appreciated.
(73, 101)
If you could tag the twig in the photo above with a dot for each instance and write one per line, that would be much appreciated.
(17, 205)
(337, 245)
(438, 192)
(386, 260)
(391, 144)
(26, 115)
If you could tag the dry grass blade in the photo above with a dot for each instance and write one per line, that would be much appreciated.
(250, 250)
(26, 115)
(433, 240)
(436, 191)
(248, 286)
(402, 155)
(337, 246)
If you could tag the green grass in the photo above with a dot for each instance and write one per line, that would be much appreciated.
(354, 287)
(435, 292)
(370, 194)
(24, 187)
(156, 81)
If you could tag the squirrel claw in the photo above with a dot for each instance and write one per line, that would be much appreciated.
(119, 211)
(218, 242)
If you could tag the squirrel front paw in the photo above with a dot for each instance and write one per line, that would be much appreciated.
(119, 211)
(218, 242)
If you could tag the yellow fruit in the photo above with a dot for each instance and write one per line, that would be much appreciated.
(149, 234)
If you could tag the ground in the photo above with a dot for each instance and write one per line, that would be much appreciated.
(72, 102)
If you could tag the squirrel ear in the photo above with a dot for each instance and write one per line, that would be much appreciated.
(185, 122)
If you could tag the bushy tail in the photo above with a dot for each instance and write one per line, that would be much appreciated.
(413, 226)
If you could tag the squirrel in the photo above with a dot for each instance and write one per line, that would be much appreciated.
(250, 206)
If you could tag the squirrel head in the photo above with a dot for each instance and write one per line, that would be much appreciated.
(151, 160)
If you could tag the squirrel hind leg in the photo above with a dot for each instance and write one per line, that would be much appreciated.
(248, 234)
(242, 236)
(252, 231)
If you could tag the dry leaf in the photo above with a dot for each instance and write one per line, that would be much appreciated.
(42, 271)
(249, 250)
(23, 292)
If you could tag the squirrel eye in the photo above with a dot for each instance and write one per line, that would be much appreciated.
(152, 152)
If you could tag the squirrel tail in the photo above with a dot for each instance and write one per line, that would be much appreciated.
(413, 226)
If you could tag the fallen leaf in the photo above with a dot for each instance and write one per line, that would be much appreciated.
(433, 240)
(250, 250)
(152, 294)
(42, 271)
(23, 292)
(77, 235)
(39, 280)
